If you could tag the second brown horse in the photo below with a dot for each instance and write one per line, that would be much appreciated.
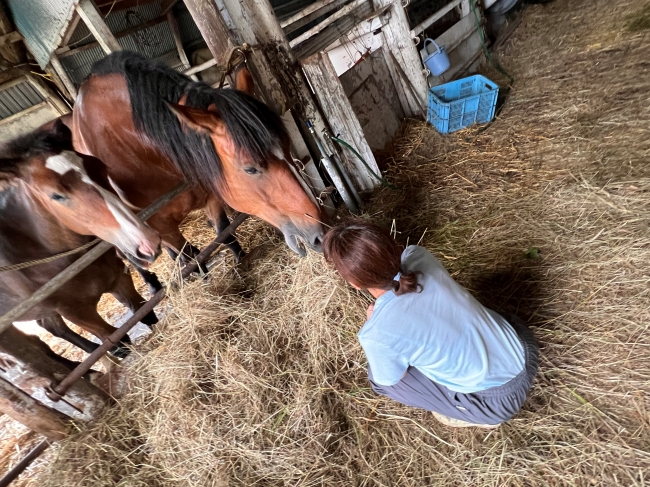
(152, 127)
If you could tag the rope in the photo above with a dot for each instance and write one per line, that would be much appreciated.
(236, 56)
(32, 263)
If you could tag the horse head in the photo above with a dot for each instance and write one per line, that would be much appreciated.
(252, 145)
(74, 189)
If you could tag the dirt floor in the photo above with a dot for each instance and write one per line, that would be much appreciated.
(255, 376)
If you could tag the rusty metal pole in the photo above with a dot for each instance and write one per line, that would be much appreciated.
(20, 467)
(57, 391)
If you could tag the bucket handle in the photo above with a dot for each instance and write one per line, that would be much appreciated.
(427, 42)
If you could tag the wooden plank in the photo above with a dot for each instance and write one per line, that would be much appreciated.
(341, 118)
(309, 14)
(32, 366)
(331, 33)
(63, 76)
(28, 411)
(173, 25)
(397, 39)
(212, 27)
(10, 38)
(96, 25)
(201, 67)
(72, 26)
(321, 25)
(11, 54)
(418, 29)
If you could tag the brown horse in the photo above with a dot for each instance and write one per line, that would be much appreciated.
(52, 201)
(152, 127)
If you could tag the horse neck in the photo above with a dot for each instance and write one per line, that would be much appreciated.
(31, 228)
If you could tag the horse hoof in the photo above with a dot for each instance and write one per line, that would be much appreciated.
(150, 319)
(120, 351)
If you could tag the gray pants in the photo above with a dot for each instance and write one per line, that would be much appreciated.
(491, 406)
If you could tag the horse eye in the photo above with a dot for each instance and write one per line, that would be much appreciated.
(251, 170)
(58, 197)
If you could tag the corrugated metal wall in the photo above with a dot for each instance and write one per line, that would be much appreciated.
(156, 42)
(18, 98)
(41, 23)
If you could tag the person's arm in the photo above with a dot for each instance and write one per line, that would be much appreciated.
(388, 367)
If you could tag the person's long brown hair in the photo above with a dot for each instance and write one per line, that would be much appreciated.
(368, 257)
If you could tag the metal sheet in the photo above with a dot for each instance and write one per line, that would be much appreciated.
(41, 22)
(18, 98)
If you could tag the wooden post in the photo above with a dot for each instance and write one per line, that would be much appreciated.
(63, 76)
(212, 27)
(47, 93)
(30, 365)
(96, 25)
(173, 25)
(397, 38)
(14, 53)
(341, 117)
(28, 411)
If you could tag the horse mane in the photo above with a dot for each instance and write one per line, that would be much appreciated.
(51, 139)
(255, 129)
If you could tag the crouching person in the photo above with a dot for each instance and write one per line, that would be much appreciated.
(429, 343)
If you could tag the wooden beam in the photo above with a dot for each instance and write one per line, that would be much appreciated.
(418, 29)
(47, 93)
(10, 38)
(71, 28)
(11, 73)
(95, 23)
(332, 18)
(309, 14)
(341, 118)
(167, 5)
(173, 26)
(201, 67)
(23, 408)
(66, 51)
(63, 76)
(212, 27)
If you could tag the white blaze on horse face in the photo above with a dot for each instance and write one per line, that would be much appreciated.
(132, 235)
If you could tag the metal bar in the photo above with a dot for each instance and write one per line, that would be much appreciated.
(77, 266)
(173, 26)
(418, 29)
(332, 18)
(57, 391)
(20, 467)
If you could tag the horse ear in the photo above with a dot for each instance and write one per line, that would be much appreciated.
(244, 81)
(195, 118)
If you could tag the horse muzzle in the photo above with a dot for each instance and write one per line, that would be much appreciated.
(299, 238)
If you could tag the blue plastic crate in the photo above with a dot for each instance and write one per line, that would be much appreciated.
(461, 103)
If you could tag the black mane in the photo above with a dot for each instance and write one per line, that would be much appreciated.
(255, 129)
(52, 139)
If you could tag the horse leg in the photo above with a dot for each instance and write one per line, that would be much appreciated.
(174, 242)
(87, 318)
(57, 327)
(126, 294)
(219, 220)
(150, 279)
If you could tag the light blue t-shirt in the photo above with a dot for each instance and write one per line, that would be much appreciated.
(443, 331)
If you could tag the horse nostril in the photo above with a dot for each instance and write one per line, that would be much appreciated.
(145, 256)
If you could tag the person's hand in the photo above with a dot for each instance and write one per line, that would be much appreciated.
(371, 308)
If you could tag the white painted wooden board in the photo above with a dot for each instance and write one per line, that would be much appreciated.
(341, 118)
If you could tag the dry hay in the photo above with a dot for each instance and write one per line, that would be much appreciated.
(256, 377)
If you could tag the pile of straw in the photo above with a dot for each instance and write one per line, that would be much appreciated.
(255, 377)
